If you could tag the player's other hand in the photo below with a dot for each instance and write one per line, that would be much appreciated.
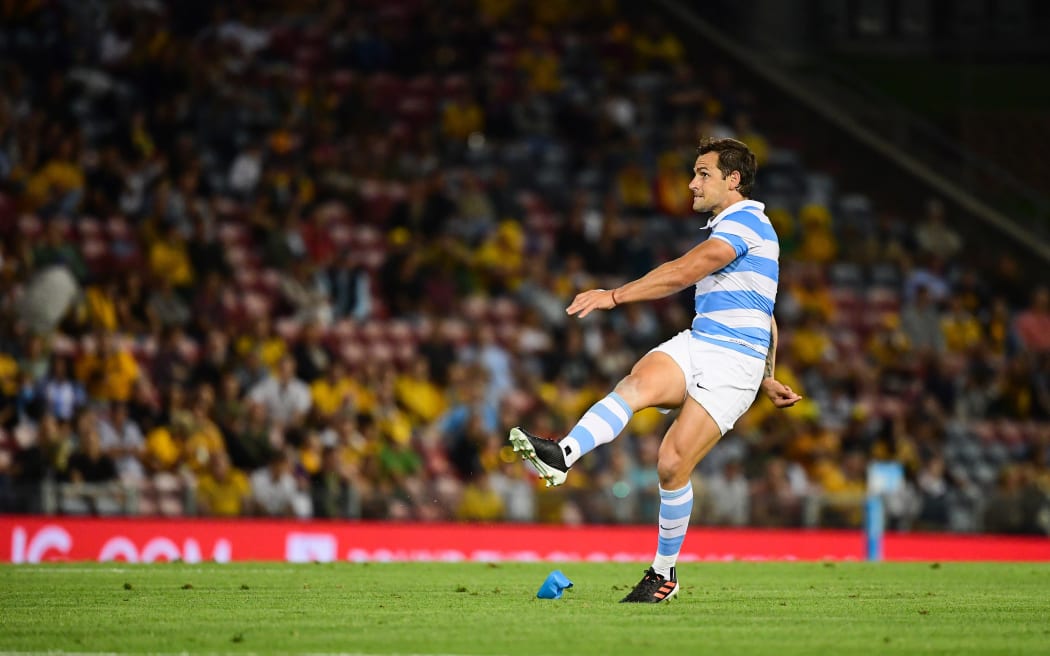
(780, 394)
(592, 299)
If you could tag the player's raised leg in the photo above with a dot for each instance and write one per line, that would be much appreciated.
(655, 380)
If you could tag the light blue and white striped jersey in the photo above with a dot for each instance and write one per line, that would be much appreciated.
(734, 305)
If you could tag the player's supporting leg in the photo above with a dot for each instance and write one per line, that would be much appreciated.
(693, 434)
(675, 508)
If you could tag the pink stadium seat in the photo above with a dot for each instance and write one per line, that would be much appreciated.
(255, 305)
(352, 353)
(232, 232)
(30, 225)
(289, 329)
(88, 227)
(117, 227)
(63, 345)
(95, 252)
(371, 331)
(246, 278)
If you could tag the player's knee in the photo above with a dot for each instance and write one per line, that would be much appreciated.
(627, 388)
(672, 469)
(636, 391)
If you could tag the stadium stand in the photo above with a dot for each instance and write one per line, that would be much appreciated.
(312, 258)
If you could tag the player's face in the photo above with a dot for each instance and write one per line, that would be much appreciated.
(710, 189)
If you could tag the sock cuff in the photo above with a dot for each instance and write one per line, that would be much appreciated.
(676, 494)
(623, 404)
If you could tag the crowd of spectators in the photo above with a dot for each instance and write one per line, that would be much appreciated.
(311, 259)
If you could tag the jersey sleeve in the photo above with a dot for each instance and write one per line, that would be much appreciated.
(741, 230)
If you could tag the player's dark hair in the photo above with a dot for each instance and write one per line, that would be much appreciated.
(733, 155)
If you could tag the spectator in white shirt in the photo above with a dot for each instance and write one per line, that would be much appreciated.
(276, 492)
(730, 496)
(285, 397)
(121, 439)
(63, 395)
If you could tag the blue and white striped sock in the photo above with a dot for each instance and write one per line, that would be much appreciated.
(600, 425)
(675, 508)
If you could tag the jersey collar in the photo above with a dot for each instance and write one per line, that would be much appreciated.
(745, 204)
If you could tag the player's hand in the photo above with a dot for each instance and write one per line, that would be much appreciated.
(592, 299)
(780, 394)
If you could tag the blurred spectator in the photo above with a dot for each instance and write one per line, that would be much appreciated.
(331, 488)
(920, 322)
(1033, 324)
(285, 397)
(418, 394)
(204, 442)
(249, 438)
(45, 458)
(935, 236)
(63, 395)
(58, 186)
(960, 328)
(57, 251)
(166, 309)
(312, 356)
(90, 465)
(480, 502)
(169, 258)
(777, 496)
(819, 243)
(729, 496)
(166, 444)
(275, 490)
(515, 490)
(110, 371)
(1005, 512)
(349, 287)
(223, 490)
(304, 289)
(122, 440)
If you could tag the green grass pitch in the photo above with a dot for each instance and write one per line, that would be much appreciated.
(471, 608)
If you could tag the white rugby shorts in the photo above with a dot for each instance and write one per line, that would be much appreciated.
(721, 380)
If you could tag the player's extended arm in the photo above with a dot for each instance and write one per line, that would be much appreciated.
(780, 394)
(668, 278)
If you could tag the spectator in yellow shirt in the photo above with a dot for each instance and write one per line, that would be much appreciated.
(204, 442)
(461, 117)
(811, 344)
(656, 46)
(673, 196)
(59, 184)
(169, 259)
(334, 393)
(109, 374)
(818, 240)
(417, 393)
(223, 490)
(269, 346)
(165, 445)
(100, 306)
(962, 331)
(480, 502)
